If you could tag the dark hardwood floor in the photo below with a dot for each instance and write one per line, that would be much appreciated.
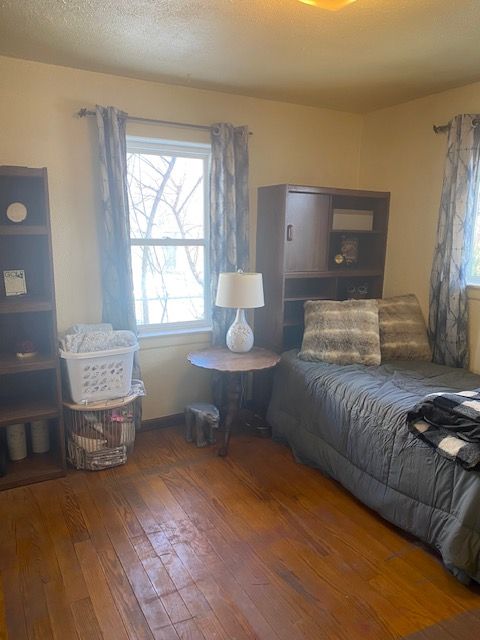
(182, 544)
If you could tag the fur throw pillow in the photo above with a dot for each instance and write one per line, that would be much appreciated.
(341, 332)
(403, 335)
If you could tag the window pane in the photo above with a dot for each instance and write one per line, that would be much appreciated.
(166, 196)
(168, 284)
(475, 264)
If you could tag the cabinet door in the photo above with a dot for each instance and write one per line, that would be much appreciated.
(306, 232)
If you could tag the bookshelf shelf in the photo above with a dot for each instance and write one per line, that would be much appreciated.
(23, 230)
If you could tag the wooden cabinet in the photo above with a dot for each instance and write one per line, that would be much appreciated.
(301, 232)
(306, 231)
(29, 387)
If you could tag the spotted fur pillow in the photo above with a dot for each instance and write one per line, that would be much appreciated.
(403, 335)
(341, 332)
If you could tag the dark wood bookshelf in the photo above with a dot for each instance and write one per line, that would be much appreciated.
(296, 249)
(30, 388)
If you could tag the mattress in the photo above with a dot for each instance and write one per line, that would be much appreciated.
(349, 422)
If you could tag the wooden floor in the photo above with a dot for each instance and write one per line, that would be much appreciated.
(182, 544)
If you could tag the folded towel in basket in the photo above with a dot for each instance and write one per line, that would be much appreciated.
(91, 341)
(89, 328)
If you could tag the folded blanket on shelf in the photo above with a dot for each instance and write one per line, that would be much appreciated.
(450, 423)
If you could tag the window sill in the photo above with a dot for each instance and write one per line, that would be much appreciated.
(473, 292)
(174, 338)
(173, 332)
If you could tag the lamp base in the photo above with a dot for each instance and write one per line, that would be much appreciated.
(240, 335)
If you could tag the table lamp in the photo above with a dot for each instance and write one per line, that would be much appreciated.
(240, 291)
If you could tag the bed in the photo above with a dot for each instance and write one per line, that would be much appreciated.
(349, 422)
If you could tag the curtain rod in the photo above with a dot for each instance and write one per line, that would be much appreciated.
(441, 128)
(84, 112)
(445, 128)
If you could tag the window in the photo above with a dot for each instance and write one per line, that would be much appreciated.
(169, 233)
(474, 271)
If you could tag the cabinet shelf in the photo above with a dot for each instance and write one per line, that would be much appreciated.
(306, 296)
(358, 273)
(334, 273)
(9, 363)
(361, 232)
(293, 323)
(27, 410)
(23, 230)
(25, 304)
(35, 468)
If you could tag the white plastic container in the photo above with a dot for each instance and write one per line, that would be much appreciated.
(40, 436)
(16, 442)
(99, 375)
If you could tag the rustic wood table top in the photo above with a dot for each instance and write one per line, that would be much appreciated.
(233, 365)
(224, 360)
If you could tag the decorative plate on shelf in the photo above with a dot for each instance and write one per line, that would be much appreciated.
(16, 212)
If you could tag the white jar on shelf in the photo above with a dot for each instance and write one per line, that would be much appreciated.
(16, 442)
(40, 436)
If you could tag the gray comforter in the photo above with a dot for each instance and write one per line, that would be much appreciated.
(349, 421)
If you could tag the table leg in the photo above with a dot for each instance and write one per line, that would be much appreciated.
(233, 397)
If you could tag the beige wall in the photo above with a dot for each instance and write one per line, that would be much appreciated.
(392, 149)
(400, 153)
(290, 144)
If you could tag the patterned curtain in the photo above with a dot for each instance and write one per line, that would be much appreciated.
(229, 213)
(448, 318)
(229, 224)
(114, 228)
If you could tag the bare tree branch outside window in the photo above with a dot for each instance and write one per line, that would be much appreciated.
(167, 229)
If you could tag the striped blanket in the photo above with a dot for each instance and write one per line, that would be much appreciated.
(450, 423)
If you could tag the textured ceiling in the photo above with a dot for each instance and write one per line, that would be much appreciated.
(373, 53)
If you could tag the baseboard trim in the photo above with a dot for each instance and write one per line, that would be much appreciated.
(174, 420)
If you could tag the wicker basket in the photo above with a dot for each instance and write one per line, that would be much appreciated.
(95, 460)
(100, 435)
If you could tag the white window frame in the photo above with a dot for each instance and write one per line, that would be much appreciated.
(159, 146)
(473, 281)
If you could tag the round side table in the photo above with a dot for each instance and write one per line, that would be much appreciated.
(232, 365)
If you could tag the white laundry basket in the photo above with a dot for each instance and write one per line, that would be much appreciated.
(99, 375)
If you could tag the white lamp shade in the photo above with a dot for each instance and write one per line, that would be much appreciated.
(240, 290)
